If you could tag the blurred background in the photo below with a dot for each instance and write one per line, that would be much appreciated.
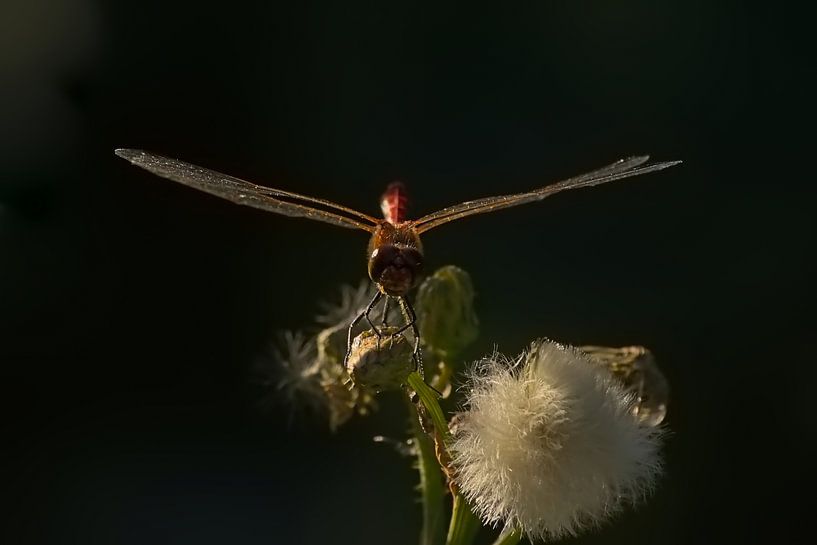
(134, 309)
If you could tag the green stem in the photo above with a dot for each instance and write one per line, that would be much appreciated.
(430, 476)
(428, 398)
(431, 486)
(509, 537)
(464, 525)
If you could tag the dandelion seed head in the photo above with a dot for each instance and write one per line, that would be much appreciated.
(353, 299)
(299, 376)
(548, 443)
(332, 345)
(293, 370)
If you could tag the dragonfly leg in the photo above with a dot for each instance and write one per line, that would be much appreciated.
(411, 318)
(385, 320)
(411, 322)
(369, 318)
(357, 319)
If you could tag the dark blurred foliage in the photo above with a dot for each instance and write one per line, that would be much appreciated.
(133, 309)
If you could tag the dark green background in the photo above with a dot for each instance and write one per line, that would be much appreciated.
(133, 309)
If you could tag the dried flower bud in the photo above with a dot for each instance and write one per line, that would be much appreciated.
(445, 310)
(380, 363)
(635, 368)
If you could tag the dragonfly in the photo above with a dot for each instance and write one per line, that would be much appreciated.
(395, 252)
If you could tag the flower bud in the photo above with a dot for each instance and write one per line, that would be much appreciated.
(445, 311)
(380, 363)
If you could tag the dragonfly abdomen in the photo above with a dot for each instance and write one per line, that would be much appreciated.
(394, 203)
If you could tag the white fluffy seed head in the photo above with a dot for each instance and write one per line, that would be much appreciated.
(353, 299)
(547, 443)
(296, 371)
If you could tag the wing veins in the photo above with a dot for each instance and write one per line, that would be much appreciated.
(245, 193)
(624, 168)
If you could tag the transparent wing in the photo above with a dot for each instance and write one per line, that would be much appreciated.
(635, 368)
(623, 168)
(246, 193)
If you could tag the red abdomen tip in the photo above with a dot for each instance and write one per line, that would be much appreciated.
(394, 203)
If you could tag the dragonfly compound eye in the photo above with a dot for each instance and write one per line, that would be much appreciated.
(413, 260)
(382, 258)
(394, 269)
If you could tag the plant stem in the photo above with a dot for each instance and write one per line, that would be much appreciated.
(464, 525)
(431, 486)
(429, 399)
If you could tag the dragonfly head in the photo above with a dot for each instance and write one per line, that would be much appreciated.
(395, 268)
